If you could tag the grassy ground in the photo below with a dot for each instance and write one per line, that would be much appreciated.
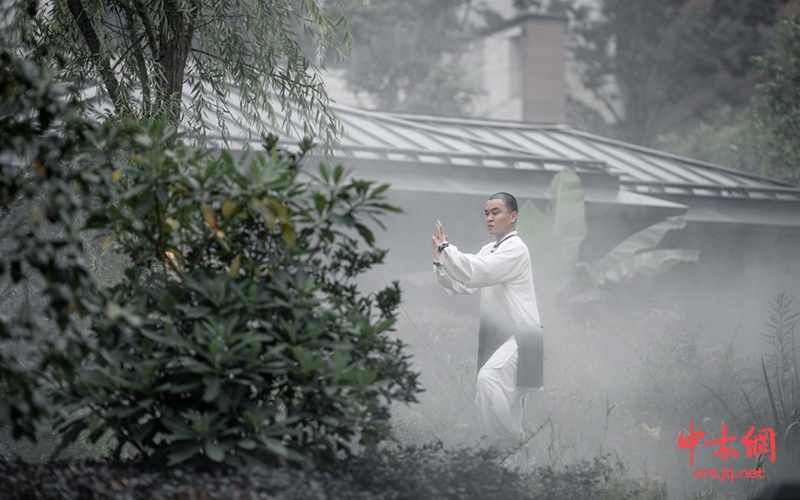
(625, 386)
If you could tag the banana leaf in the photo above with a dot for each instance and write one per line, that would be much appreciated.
(536, 230)
(568, 214)
(645, 239)
(647, 263)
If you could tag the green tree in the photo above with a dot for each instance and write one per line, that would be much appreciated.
(778, 105)
(143, 55)
(763, 137)
(407, 55)
(237, 333)
(643, 60)
(725, 137)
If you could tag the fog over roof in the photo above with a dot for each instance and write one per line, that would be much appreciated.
(460, 151)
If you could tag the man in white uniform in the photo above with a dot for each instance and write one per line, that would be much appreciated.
(510, 343)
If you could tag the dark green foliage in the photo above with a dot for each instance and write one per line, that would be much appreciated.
(580, 480)
(778, 106)
(431, 471)
(71, 480)
(723, 137)
(237, 334)
(146, 57)
(427, 472)
(253, 339)
(762, 138)
(37, 189)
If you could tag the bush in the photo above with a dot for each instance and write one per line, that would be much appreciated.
(237, 334)
(428, 471)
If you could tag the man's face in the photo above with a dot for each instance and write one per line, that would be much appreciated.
(499, 221)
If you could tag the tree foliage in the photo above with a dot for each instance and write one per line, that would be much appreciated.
(724, 136)
(762, 138)
(237, 333)
(180, 61)
(778, 105)
(407, 55)
(648, 62)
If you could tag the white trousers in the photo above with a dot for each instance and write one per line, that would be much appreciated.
(498, 399)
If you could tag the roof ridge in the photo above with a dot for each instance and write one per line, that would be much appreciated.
(573, 131)
(685, 159)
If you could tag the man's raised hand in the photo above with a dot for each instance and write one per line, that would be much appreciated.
(438, 240)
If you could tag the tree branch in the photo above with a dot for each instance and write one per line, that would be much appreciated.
(122, 57)
(101, 60)
(607, 103)
(253, 68)
(194, 13)
(141, 8)
(138, 54)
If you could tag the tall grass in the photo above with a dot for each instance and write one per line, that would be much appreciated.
(615, 386)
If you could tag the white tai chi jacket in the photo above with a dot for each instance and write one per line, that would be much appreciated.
(508, 302)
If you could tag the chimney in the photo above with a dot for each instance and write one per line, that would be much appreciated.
(518, 67)
(543, 88)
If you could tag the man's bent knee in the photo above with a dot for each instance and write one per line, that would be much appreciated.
(487, 377)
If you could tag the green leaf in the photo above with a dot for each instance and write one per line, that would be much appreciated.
(337, 173)
(212, 388)
(69, 436)
(145, 206)
(247, 444)
(568, 214)
(178, 427)
(215, 451)
(323, 172)
(538, 233)
(643, 240)
(366, 234)
(275, 446)
(385, 325)
(319, 203)
(648, 263)
(182, 454)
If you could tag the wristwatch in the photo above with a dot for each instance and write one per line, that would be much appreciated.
(442, 246)
(437, 263)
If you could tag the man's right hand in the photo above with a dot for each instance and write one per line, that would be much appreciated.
(438, 240)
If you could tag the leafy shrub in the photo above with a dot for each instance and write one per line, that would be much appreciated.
(40, 131)
(428, 471)
(237, 334)
(128, 481)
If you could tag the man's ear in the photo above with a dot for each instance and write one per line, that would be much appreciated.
(514, 217)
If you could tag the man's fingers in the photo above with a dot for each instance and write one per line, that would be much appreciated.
(441, 230)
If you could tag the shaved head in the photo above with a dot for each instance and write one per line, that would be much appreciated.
(509, 201)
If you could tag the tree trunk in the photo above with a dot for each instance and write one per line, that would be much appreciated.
(173, 51)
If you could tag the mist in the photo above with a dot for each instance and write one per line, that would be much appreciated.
(623, 376)
(626, 373)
